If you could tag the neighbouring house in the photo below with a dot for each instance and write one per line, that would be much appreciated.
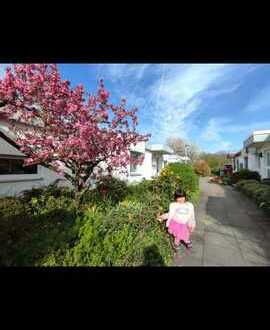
(238, 161)
(255, 154)
(156, 156)
(14, 177)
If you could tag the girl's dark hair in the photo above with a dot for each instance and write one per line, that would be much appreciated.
(180, 193)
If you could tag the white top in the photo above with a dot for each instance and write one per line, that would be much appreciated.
(182, 213)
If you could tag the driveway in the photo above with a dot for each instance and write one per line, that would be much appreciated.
(231, 230)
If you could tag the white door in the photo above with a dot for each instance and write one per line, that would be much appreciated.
(267, 165)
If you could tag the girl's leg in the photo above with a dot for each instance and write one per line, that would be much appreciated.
(187, 240)
(177, 241)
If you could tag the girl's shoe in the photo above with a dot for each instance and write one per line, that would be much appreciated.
(187, 244)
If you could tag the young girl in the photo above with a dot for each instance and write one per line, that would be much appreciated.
(180, 219)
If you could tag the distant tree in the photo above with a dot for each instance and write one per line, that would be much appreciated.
(214, 160)
(202, 168)
(177, 145)
(193, 152)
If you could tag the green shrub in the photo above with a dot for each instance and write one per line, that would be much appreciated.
(266, 181)
(30, 226)
(127, 235)
(259, 192)
(108, 188)
(51, 190)
(226, 180)
(10, 206)
(175, 176)
(215, 172)
(245, 175)
(241, 183)
(114, 225)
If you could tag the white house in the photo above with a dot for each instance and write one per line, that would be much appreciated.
(15, 178)
(255, 154)
(156, 156)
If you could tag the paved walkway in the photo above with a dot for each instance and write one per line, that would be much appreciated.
(231, 230)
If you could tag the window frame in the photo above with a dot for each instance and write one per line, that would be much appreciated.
(133, 169)
(246, 162)
(11, 166)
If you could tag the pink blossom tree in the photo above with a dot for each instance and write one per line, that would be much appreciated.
(69, 131)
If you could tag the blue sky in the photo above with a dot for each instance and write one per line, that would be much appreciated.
(216, 106)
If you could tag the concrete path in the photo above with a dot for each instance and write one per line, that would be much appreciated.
(231, 230)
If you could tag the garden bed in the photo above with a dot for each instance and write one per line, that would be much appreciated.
(113, 225)
(259, 192)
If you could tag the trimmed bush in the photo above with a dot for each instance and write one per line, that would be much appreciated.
(266, 181)
(259, 192)
(201, 168)
(245, 175)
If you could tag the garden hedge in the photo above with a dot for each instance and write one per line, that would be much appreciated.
(259, 192)
(245, 174)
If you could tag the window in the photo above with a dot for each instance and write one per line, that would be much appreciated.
(259, 162)
(237, 165)
(134, 156)
(268, 158)
(4, 166)
(241, 166)
(268, 172)
(246, 162)
(15, 166)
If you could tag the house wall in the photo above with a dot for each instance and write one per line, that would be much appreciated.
(252, 159)
(13, 184)
(241, 161)
(253, 163)
(263, 169)
(144, 171)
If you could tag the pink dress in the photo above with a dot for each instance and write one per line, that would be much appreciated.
(180, 231)
(180, 218)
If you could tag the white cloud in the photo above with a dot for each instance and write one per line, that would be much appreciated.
(217, 131)
(117, 72)
(178, 94)
(224, 145)
(260, 102)
(213, 134)
(175, 94)
(214, 129)
(221, 91)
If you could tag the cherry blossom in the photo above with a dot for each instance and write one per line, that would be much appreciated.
(65, 131)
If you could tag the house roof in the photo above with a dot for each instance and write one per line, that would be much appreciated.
(8, 146)
(175, 157)
(159, 148)
(237, 154)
